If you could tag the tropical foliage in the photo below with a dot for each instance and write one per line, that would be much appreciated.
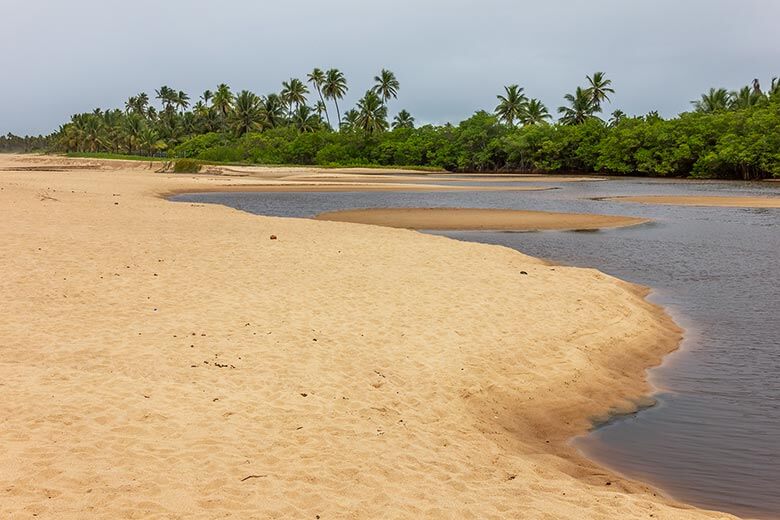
(729, 134)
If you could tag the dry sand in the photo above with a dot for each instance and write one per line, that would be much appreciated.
(721, 202)
(476, 219)
(169, 360)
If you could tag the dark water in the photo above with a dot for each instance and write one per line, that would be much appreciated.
(714, 438)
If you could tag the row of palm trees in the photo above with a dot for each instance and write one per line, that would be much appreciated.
(720, 99)
(144, 128)
(515, 107)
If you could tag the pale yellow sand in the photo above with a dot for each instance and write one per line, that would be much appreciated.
(476, 219)
(169, 360)
(723, 202)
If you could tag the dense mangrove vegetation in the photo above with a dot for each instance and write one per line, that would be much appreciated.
(727, 134)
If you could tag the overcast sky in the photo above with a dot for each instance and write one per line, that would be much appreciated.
(451, 56)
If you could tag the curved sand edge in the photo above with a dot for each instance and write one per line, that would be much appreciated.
(709, 201)
(478, 219)
(170, 359)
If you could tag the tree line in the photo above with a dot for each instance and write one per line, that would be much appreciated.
(727, 134)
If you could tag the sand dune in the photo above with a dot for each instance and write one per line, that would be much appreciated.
(170, 360)
(722, 202)
(476, 219)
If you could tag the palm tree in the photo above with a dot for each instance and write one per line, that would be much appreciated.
(581, 107)
(182, 100)
(599, 88)
(247, 114)
(349, 123)
(335, 87)
(774, 88)
(294, 93)
(150, 141)
(317, 78)
(372, 113)
(305, 120)
(713, 101)
(534, 112)
(132, 127)
(206, 97)
(403, 120)
(745, 98)
(510, 105)
(617, 117)
(223, 99)
(167, 97)
(273, 108)
(386, 85)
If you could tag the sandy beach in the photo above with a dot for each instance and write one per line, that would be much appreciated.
(714, 201)
(172, 360)
(478, 219)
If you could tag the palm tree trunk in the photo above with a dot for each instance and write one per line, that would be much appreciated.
(327, 117)
(338, 114)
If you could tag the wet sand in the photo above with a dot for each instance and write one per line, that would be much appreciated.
(173, 360)
(478, 219)
(720, 202)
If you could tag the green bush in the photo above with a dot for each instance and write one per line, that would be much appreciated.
(186, 166)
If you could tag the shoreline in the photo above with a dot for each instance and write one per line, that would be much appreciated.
(522, 408)
(463, 219)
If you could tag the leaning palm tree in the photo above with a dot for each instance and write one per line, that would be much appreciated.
(403, 120)
(386, 85)
(510, 104)
(247, 114)
(317, 78)
(581, 107)
(599, 88)
(713, 101)
(294, 93)
(223, 99)
(335, 87)
(534, 112)
(372, 113)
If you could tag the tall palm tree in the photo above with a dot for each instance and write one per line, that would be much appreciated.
(335, 87)
(386, 85)
(294, 93)
(372, 113)
(581, 107)
(247, 114)
(223, 99)
(510, 105)
(534, 112)
(182, 100)
(317, 78)
(206, 96)
(599, 88)
(403, 120)
(713, 101)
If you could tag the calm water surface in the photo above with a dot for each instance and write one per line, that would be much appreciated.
(714, 437)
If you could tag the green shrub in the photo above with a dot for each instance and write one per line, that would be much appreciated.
(186, 166)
